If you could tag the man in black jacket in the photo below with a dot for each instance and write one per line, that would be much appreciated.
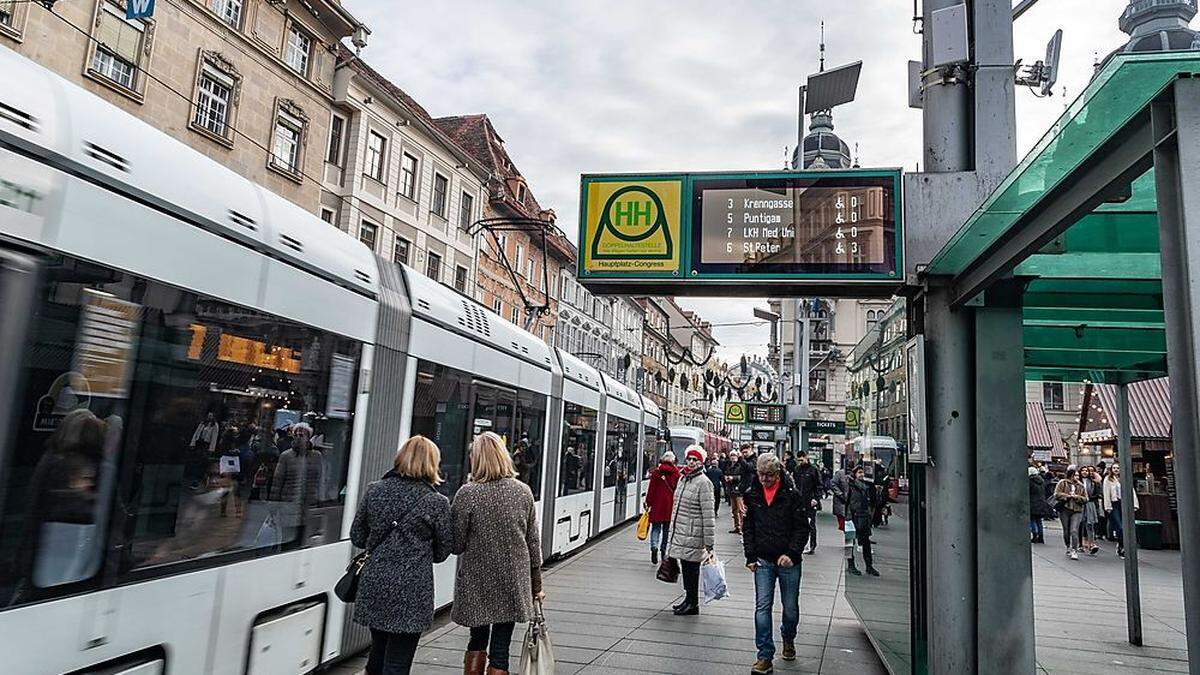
(774, 532)
(808, 483)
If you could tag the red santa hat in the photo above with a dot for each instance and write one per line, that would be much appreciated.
(696, 452)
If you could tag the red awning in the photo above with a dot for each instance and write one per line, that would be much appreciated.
(1038, 434)
(1149, 408)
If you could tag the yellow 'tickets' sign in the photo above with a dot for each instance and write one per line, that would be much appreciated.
(735, 412)
(631, 226)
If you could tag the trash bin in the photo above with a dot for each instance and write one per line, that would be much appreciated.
(1149, 534)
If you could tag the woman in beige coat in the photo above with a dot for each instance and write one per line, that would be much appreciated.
(693, 522)
(499, 556)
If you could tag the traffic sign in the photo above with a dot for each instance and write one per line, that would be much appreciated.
(853, 419)
(735, 412)
(706, 231)
(766, 413)
(825, 426)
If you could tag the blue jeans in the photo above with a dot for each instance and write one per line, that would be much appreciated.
(1035, 527)
(764, 601)
(658, 535)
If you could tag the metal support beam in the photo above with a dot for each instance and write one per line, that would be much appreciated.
(995, 118)
(1176, 165)
(950, 583)
(1005, 574)
(1124, 158)
(1133, 586)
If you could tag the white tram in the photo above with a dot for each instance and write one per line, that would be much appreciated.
(175, 527)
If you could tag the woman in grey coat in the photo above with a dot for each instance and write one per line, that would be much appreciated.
(405, 524)
(693, 522)
(499, 556)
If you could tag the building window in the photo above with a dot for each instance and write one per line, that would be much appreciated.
(285, 148)
(466, 208)
(515, 316)
(12, 17)
(119, 46)
(817, 384)
(367, 234)
(531, 270)
(1052, 396)
(401, 251)
(376, 155)
(518, 258)
(214, 101)
(497, 306)
(298, 50)
(521, 194)
(230, 11)
(328, 215)
(408, 176)
(460, 279)
(335, 154)
(433, 266)
(441, 187)
(8, 10)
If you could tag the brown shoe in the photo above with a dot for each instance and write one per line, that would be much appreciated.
(762, 667)
(789, 650)
(474, 663)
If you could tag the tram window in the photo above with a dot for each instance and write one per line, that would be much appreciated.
(164, 401)
(440, 408)
(619, 440)
(528, 447)
(576, 466)
(649, 450)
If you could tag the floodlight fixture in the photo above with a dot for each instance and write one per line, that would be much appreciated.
(831, 88)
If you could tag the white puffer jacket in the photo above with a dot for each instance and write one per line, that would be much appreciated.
(693, 521)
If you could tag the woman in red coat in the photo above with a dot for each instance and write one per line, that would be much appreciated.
(660, 498)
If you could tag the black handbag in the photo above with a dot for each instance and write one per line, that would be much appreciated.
(668, 570)
(346, 588)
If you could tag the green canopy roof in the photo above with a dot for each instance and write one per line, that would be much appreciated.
(1093, 306)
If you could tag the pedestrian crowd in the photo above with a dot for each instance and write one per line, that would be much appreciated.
(1085, 500)
(405, 526)
(773, 505)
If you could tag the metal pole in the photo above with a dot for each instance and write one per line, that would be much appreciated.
(949, 586)
(1133, 593)
(946, 113)
(1177, 164)
(1005, 568)
(779, 332)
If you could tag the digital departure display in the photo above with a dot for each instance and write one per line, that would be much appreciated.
(806, 225)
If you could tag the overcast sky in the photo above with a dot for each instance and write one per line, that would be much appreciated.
(619, 85)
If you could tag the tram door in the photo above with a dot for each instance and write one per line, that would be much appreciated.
(493, 410)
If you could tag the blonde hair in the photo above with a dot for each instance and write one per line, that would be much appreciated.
(419, 458)
(489, 459)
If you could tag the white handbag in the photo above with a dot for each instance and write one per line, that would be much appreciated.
(537, 653)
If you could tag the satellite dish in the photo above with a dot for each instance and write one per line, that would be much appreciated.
(1053, 56)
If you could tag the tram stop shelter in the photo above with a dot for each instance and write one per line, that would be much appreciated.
(1077, 267)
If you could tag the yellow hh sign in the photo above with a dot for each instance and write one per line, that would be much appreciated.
(735, 412)
(631, 226)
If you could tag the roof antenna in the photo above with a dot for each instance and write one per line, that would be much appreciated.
(822, 47)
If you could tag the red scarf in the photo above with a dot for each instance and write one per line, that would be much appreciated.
(769, 492)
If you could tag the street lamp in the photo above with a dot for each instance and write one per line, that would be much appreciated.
(777, 338)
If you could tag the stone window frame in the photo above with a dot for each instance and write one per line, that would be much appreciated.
(15, 28)
(444, 213)
(314, 43)
(241, 19)
(365, 225)
(137, 92)
(379, 173)
(466, 278)
(286, 108)
(217, 62)
(466, 210)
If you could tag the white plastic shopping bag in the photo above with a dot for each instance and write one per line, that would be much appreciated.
(712, 580)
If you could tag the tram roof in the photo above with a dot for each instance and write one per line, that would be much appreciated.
(1088, 248)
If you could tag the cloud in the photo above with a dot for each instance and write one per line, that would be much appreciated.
(623, 85)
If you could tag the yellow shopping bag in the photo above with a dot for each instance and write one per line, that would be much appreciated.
(643, 530)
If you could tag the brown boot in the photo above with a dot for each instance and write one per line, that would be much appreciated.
(762, 667)
(474, 662)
